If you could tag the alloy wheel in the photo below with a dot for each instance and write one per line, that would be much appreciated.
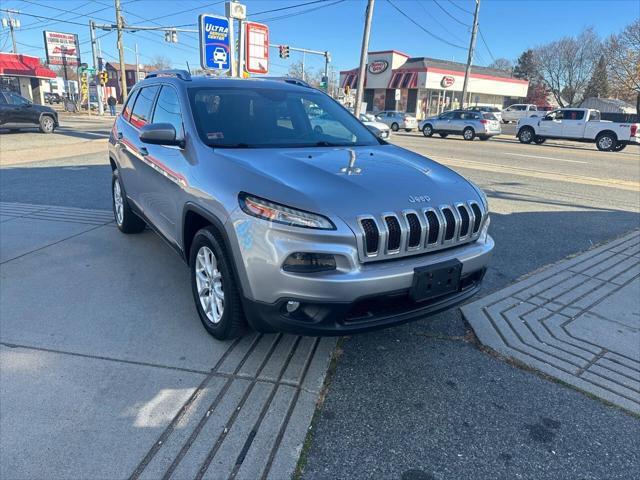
(605, 142)
(118, 204)
(209, 284)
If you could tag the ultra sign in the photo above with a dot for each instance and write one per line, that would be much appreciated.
(215, 52)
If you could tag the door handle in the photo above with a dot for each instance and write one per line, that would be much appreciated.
(143, 151)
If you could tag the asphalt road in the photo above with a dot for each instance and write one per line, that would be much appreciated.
(422, 401)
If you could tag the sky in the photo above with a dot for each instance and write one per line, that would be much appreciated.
(508, 27)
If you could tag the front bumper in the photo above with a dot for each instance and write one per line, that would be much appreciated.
(365, 314)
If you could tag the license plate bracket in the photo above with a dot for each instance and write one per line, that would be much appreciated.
(436, 280)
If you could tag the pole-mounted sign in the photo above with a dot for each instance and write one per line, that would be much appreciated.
(256, 48)
(215, 44)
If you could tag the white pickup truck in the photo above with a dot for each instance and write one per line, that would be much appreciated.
(579, 124)
(515, 112)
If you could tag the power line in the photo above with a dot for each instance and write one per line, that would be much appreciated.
(288, 8)
(56, 19)
(485, 45)
(435, 19)
(46, 18)
(460, 8)
(309, 10)
(424, 29)
(449, 14)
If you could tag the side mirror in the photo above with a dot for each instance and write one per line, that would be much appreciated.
(160, 134)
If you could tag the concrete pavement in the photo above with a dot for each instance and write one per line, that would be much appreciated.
(578, 321)
(106, 371)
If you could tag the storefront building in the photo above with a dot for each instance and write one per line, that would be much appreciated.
(24, 75)
(428, 86)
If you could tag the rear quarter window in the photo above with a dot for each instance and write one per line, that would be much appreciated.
(126, 111)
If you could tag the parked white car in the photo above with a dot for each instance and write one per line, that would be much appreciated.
(517, 111)
(582, 125)
(398, 120)
(378, 128)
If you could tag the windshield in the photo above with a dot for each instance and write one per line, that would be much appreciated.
(274, 118)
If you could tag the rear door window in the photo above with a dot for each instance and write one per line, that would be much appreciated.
(141, 113)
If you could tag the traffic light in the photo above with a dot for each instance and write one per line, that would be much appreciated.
(323, 82)
(284, 51)
(171, 36)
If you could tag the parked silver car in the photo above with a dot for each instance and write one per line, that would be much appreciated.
(285, 227)
(398, 120)
(495, 110)
(468, 123)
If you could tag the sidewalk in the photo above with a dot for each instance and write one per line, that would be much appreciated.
(577, 321)
(108, 373)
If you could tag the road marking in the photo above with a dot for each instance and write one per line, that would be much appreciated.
(528, 172)
(546, 158)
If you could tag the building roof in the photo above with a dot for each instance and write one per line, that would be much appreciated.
(426, 62)
(17, 65)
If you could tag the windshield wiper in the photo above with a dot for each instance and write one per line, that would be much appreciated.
(324, 143)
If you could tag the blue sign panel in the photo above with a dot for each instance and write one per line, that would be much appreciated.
(215, 52)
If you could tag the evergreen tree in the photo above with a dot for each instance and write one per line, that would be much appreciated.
(526, 66)
(598, 85)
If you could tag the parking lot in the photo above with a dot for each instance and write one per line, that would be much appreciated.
(103, 355)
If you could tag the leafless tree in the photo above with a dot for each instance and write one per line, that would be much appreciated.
(622, 53)
(159, 62)
(566, 65)
(502, 64)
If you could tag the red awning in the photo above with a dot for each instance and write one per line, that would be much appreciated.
(402, 79)
(23, 66)
(350, 80)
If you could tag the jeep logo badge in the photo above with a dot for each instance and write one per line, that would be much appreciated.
(447, 81)
(419, 198)
(378, 66)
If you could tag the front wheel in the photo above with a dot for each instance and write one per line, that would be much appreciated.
(214, 288)
(126, 220)
(539, 140)
(395, 127)
(427, 130)
(606, 142)
(526, 135)
(47, 124)
(468, 134)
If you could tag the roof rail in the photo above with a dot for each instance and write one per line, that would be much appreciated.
(291, 80)
(181, 74)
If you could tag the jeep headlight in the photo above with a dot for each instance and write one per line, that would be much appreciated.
(275, 212)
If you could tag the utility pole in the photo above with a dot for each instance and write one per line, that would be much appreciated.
(123, 72)
(96, 75)
(472, 46)
(12, 23)
(363, 58)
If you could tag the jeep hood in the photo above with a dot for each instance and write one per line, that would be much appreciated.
(348, 181)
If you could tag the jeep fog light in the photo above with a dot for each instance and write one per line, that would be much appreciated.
(301, 262)
(292, 306)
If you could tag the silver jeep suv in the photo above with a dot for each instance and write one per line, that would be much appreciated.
(284, 227)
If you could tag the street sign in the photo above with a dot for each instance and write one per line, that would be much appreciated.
(215, 51)
(256, 48)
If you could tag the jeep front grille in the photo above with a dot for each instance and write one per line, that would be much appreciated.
(418, 231)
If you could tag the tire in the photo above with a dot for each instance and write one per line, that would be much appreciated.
(395, 127)
(619, 147)
(220, 305)
(468, 134)
(484, 138)
(47, 124)
(444, 135)
(126, 220)
(526, 135)
(427, 130)
(539, 140)
(606, 142)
